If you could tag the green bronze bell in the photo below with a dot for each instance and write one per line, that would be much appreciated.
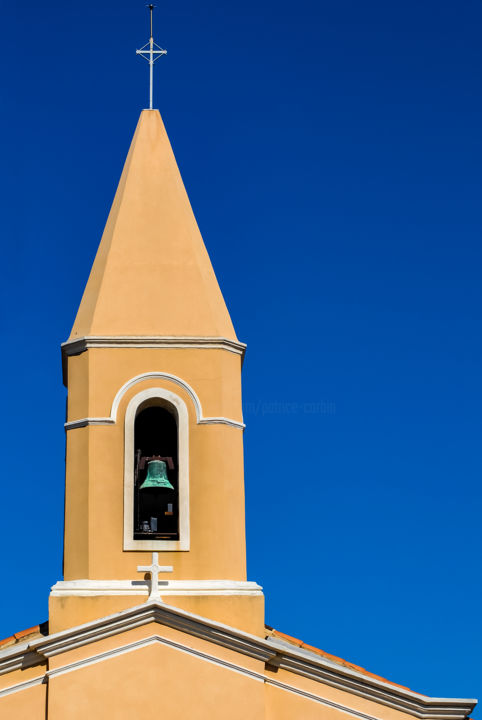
(156, 476)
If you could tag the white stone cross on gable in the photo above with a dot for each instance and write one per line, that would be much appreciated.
(154, 571)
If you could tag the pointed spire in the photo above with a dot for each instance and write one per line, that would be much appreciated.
(152, 275)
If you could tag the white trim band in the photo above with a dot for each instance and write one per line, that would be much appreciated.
(86, 588)
(23, 685)
(80, 345)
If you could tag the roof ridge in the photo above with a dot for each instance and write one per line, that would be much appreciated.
(329, 656)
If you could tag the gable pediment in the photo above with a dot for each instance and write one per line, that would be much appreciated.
(159, 631)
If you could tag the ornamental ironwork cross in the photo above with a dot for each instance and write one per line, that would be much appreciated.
(151, 52)
(154, 571)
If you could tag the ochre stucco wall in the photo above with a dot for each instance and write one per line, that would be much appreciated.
(242, 612)
(29, 704)
(95, 466)
(155, 681)
(94, 507)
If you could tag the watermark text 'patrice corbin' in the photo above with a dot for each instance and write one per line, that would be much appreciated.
(284, 407)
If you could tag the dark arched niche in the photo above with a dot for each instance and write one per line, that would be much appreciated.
(156, 508)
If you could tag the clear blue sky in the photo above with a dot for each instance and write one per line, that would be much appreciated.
(332, 153)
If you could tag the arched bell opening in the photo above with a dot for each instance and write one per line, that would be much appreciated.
(156, 472)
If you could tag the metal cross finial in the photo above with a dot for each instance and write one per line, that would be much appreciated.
(154, 571)
(151, 52)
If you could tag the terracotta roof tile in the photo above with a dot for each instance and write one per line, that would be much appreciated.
(7, 641)
(22, 635)
(334, 658)
(288, 638)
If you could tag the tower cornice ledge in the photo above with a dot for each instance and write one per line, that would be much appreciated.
(76, 346)
(81, 344)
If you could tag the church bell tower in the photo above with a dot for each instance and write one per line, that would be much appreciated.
(154, 449)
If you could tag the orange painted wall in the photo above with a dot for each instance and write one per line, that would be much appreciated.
(155, 681)
(29, 704)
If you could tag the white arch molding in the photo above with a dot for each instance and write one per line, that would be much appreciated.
(183, 451)
(111, 420)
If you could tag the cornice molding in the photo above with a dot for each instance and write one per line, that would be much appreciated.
(76, 346)
(84, 422)
(86, 588)
(23, 685)
(79, 345)
(18, 657)
(395, 697)
(295, 660)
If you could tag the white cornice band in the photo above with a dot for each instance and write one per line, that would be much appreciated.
(84, 422)
(86, 588)
(155, 375)
(26, 685)
(80, 345)
(271, 652)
